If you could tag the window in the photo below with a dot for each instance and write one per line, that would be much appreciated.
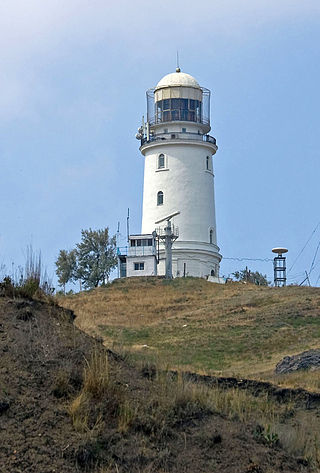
(212, 272)
(166, 104)
(211, 236)
(138, 266)
(142, 242)
(175, 104)
(208, 163)
(161, 161)
(178, 109)
(184, 130)
(160, 198)
(165, 130)
(184, 104)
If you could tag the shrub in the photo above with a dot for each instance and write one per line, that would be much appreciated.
(7, 288)
(29, 288)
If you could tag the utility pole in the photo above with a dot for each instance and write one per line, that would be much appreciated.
(168, 237)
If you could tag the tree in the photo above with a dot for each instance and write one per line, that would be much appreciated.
(66, 267)
(91, 261)
(96, 254)
(252, 277)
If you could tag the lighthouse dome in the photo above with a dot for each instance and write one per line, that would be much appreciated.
(176, 79)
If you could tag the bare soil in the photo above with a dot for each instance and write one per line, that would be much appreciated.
(41, 370)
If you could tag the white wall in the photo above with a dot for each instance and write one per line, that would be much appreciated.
(198, 264)
(150, 266)
(187, 186)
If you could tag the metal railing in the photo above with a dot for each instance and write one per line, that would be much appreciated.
(174, 229)
(141, 250)
(178, 116)
(185, 136)
(136, 251)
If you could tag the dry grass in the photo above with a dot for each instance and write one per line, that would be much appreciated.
(309, 380)
(170, 402)
(234, 329)
(175, 401)
(100, 396)
(96, 375)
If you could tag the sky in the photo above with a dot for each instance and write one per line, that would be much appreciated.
(73, 77)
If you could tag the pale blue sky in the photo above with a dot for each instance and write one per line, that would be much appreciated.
(73, 77)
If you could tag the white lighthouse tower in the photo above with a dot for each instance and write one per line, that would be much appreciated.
(179, 174)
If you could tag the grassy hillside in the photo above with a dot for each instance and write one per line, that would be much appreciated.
(69, 405)
(233, 329)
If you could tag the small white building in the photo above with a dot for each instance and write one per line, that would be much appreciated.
(140, 257)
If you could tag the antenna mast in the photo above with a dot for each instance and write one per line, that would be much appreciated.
(118, 235)
(128, 217)
(178, 67)
(168, 237)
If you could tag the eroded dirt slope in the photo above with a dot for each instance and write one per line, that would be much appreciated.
(41, 371)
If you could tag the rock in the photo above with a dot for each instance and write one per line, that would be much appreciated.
(303, 361)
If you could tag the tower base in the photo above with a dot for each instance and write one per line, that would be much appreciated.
(192, 259)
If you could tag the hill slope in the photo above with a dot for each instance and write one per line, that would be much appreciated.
(233, 329)
(67, 405)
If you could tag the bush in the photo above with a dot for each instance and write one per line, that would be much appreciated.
(29, 288)
(29, 282)
(7, 288)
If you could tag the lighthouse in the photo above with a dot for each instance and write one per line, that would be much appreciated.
(179, 174)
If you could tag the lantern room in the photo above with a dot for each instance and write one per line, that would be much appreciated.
(178, 97)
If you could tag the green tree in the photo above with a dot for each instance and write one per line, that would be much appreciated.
(66, 267)
(91, 262)
(253, 277)
(96, 256)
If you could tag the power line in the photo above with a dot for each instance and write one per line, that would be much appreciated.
(227, 257)
(297, 276)
(314, 258)
(248, 259)
(313, 232)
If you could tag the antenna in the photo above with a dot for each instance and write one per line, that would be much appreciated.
(128, 217)
(118, 247)
(167, 218)
(178, 67)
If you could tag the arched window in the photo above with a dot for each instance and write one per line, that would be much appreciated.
(211, 236)
(208, 163)
(160, 198)
(161, 161)
(212, 272)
